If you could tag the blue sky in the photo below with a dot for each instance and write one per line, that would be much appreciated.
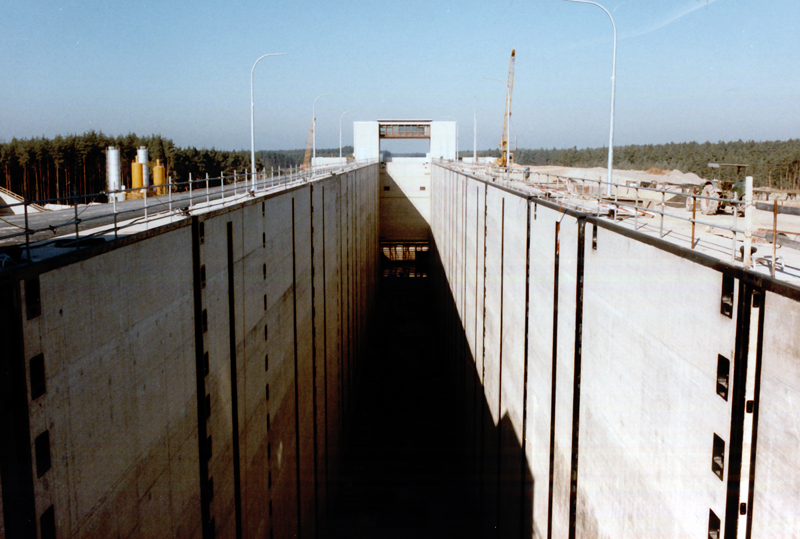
(686, 69)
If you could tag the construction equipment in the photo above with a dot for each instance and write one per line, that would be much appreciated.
(505, 156)
(307, 158)
(718, 188)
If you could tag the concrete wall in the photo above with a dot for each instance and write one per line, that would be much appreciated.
(193, 380)
(586, 361)
(366, 141)
(443, 140)
(405, 200)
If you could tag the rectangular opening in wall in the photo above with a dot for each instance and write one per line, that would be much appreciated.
(202, 277)
(718, 459)
(407, 147)
(713, 525)
(211, 528)
(33, 305)
(42, 450)
(723, 371)
(47, 523)
(202, 233)
(408, 259)
(726, 304)
(38, 385)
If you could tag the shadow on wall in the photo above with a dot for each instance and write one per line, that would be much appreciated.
(400, 216)
(426, 458)
(500, 480)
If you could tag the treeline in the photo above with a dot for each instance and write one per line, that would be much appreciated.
(51, 169)
(771, 163)
(47, 169)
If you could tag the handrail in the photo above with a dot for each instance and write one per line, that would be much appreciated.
(624, 204)
(143, 204)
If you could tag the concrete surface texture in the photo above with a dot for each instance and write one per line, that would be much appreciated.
(405, 199)
(367, 139)
(557, 375)
(620, 385)
(191, 381)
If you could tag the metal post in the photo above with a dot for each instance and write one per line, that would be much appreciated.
(222, 184)
(733, 242)
(774, 234)
(474, 137)
(252, 125)
(636, 209)
(748, 219)
(169, 184)
(75, 196)
(694, 213)
(190, 189)
(208, 197)
(27, 231)
(663, 208)
(314, 130)
(340, 135)
(613, 86)
(145, 209)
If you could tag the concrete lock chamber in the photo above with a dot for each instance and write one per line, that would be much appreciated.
(398, 349)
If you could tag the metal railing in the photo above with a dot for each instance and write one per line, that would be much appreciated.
(127, 208)
(588, 196)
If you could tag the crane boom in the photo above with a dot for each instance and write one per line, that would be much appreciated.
(307, 157)
(505, 157)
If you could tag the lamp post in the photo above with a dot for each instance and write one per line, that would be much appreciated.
(252, 123)
(613, 86)
(475, 137)
(340, 133)
(314, 129)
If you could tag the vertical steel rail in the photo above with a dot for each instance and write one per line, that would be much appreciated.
(733, 241)
(694, 213)
(774, 235)
(75, 200)
(27, 232)
(208, 196)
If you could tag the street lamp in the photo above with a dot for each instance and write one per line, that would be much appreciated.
(456, 121)
(314, 129)
(475, 139)
(340, 134)
(252, 124)
(613, 85)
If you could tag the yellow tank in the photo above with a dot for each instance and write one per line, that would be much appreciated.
(136, 174)
(159, 177)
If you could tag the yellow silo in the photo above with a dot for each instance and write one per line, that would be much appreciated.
(136, 174)
(159, 177)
